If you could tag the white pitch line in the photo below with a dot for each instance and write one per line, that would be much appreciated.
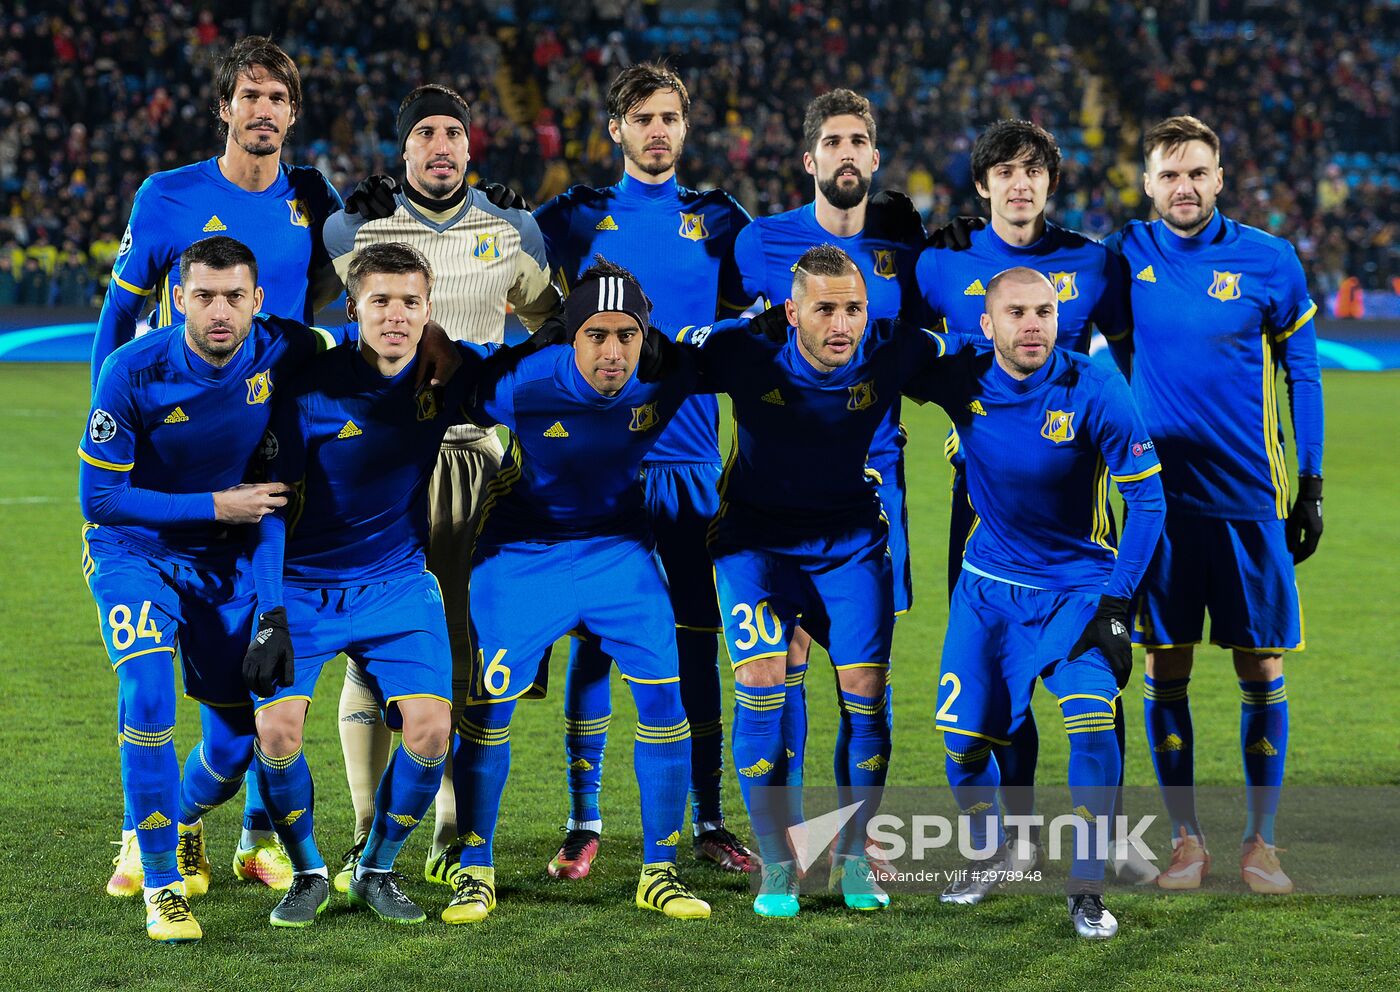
(35, 500)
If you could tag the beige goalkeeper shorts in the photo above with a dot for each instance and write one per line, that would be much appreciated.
(455, 495)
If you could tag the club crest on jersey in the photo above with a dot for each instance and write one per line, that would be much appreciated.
(427, 405)
(693, 227)
(487, 247)
(862, 396)
(301, 217)
(643, 417)
(884, 263)
(259, 387)
(1059, 426)
(1065, 286)
(1226, 286)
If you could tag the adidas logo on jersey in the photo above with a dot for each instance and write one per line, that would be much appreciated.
(177, 416)
(403, 819)
(976, 407)
(581, 765)
(349, 430)
(155, 821)
(1262, 746)
(290, 818)
(1170, 743)
(606, 224)
(557, 430)
(760, 767)
(775, 397)
(976, 289)
(874, 763)
(670, 841)
(1147, 275)
(214, 225)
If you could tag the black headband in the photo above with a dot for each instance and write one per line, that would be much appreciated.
(603, 294)
(431, 104)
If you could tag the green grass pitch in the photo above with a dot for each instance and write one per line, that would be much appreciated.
(60, 806)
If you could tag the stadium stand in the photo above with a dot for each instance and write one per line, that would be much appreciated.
(95, 95)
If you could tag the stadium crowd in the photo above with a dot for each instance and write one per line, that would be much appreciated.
(95, 96)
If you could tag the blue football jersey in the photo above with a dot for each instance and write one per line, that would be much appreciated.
(174, 209)
(1214, 316)
(360, 448)
(1087, 277)
(1040, 452)
(573, 462)
(801, 436)
(680, 246)
(767, 252)
(181, 430)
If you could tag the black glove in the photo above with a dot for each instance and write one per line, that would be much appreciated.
(373, 198)
(956, 235)
(891, 214)
(1107, 630)
(1304, 524)
(772, 324)
(659, 356)
(503, 196)
(553, 331)
(268, 663)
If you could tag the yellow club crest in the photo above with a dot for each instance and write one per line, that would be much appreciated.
(1059, 426)
(1226, 286)
(862, 396)
(487, 247)
(428, 404)
(693, 227)
(884, 263)
(259, 387)
(643, 418)
(1065, 286)
(301, 217)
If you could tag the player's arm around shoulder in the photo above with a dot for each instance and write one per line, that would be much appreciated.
(533, 294)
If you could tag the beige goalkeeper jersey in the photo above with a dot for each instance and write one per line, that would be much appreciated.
(483, 257)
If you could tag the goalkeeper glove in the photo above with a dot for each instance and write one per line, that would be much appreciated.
(268, 662)
(1107, 630)
(373, 198)
(1304, 524)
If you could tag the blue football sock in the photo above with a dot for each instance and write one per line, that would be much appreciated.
(757, 742)
(1166, 711)
(974, 777)
(127, 822)
(480, 766)
(291, 801)
(1264, 744)
(150, 767)
(795, 738)
(698, 651)
(867, 760)
(1094, 767)
(405, 792)
(217, 764)
(255, 815)
(661, 759)
(1017, 762)
(587, 712)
